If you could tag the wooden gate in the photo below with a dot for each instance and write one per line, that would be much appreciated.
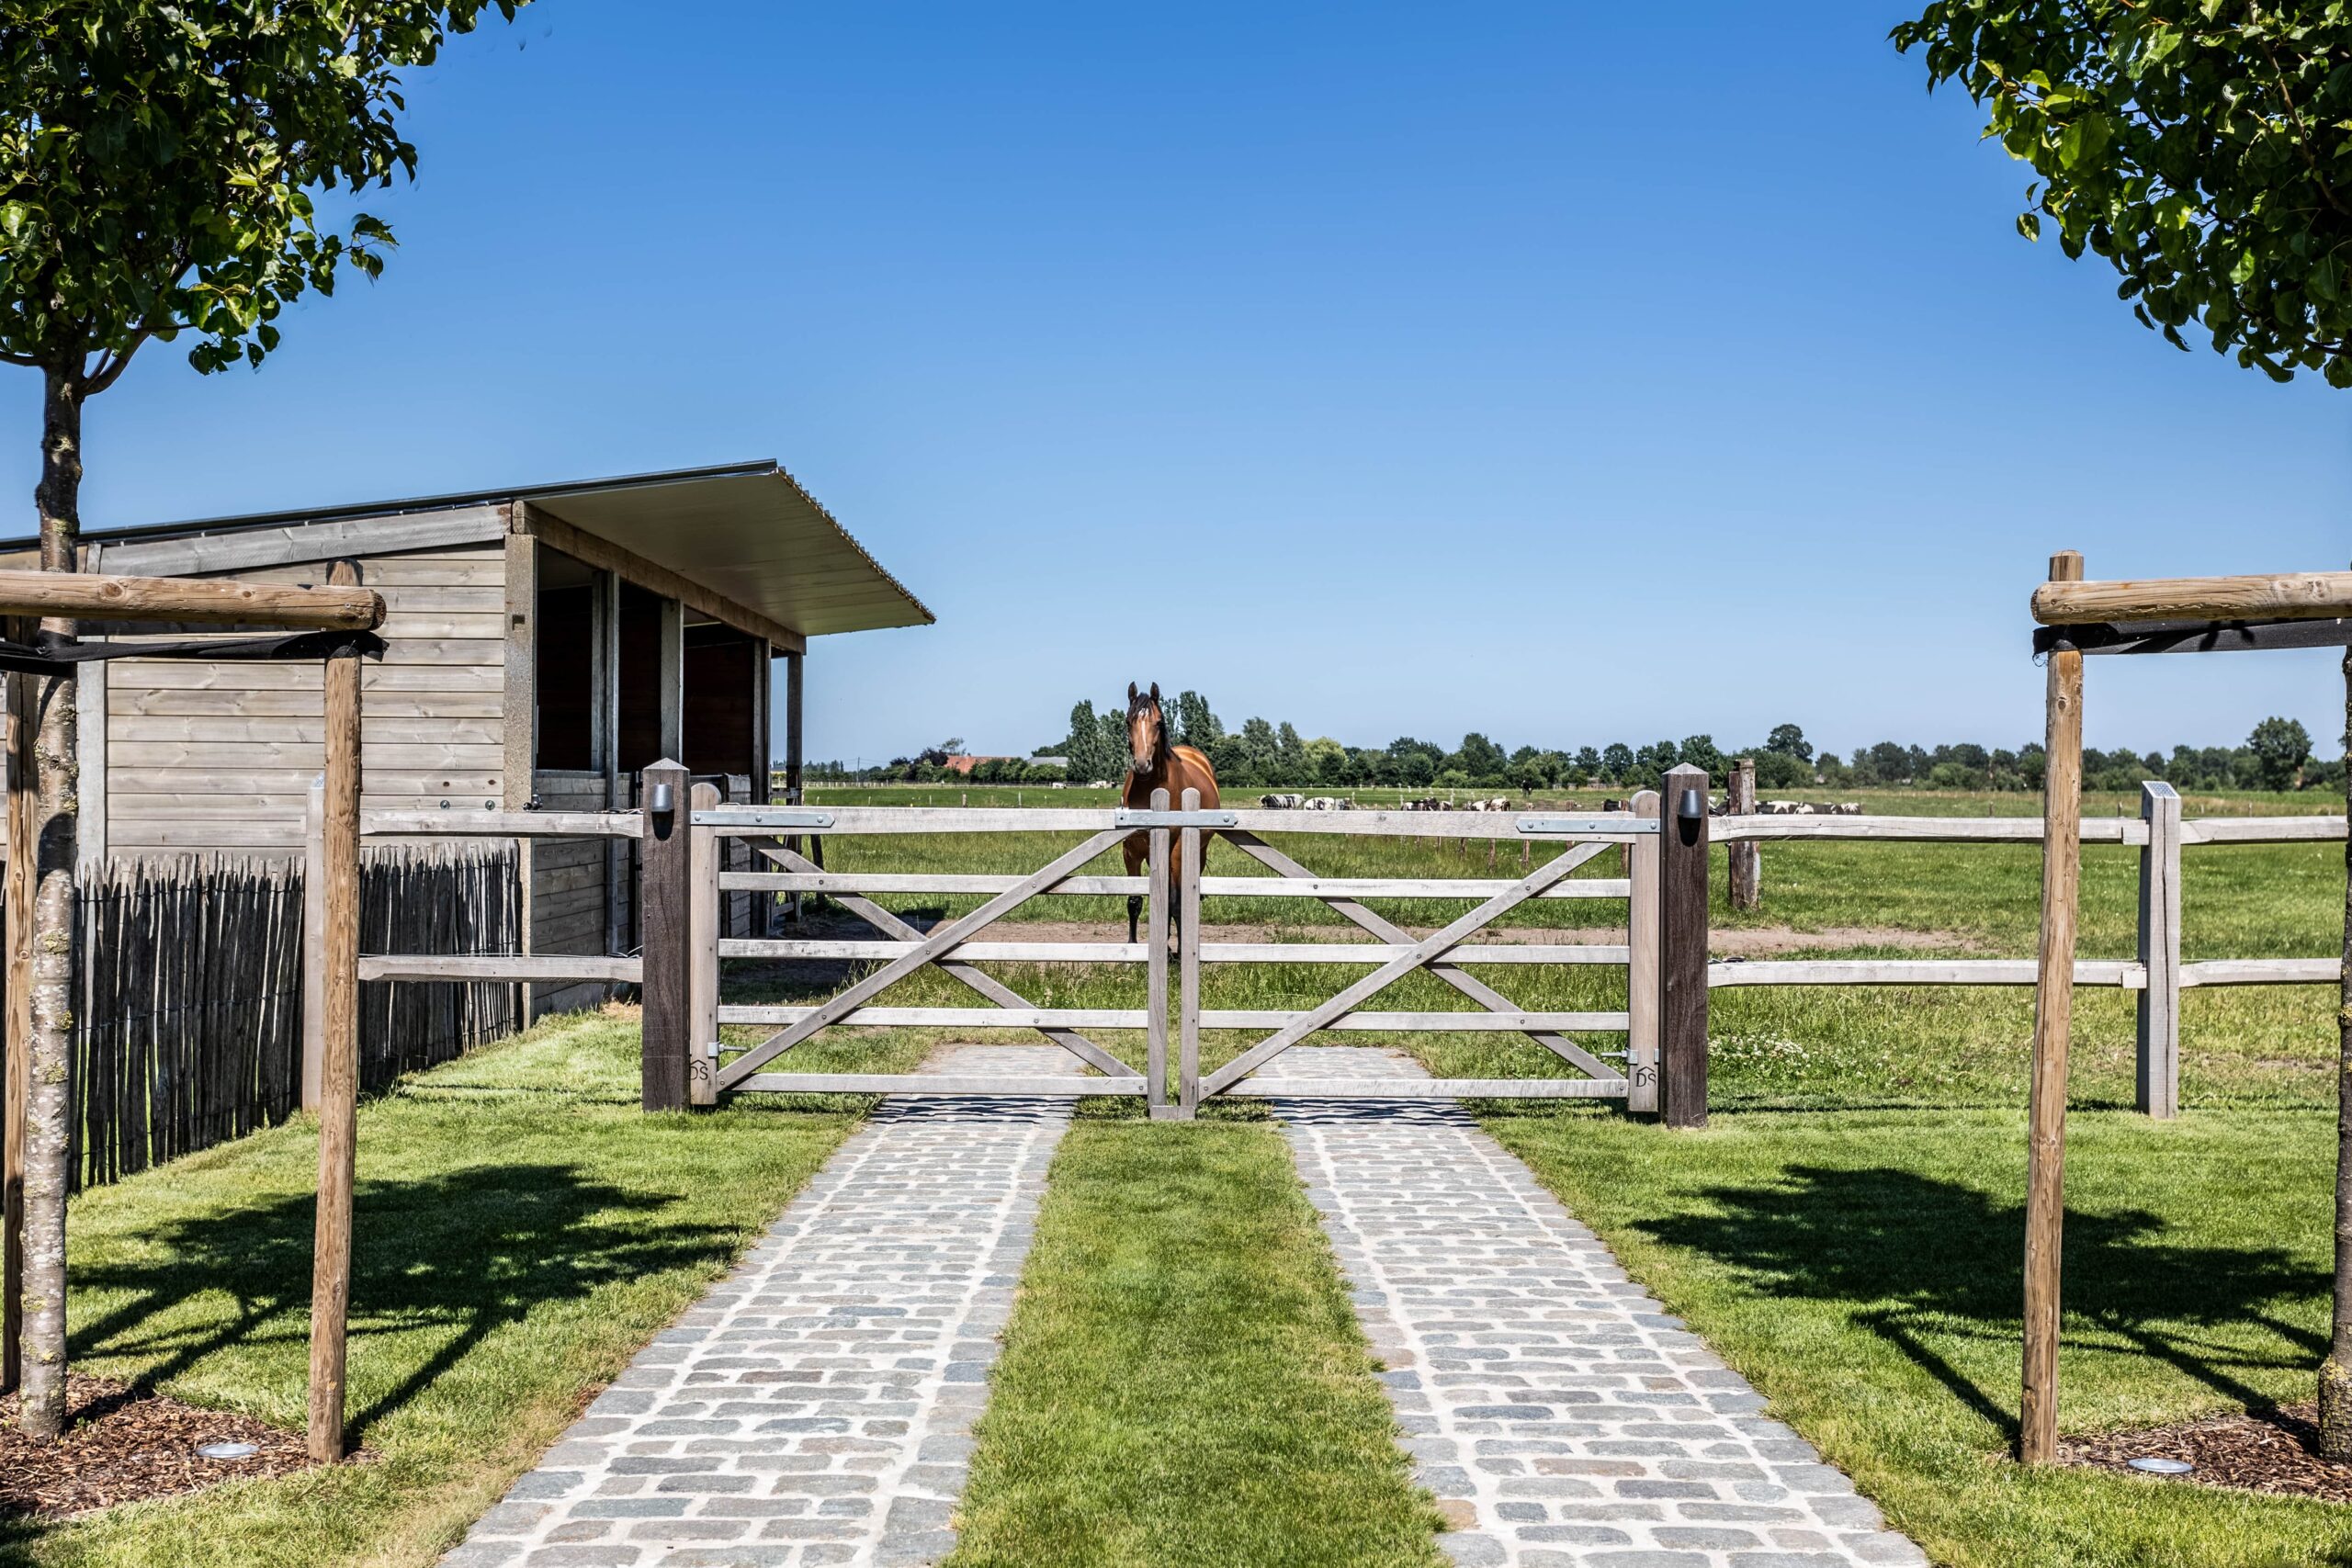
(684, 884)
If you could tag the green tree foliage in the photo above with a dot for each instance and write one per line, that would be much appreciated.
(2203, 148)
(1196, 724)
(2280, 747)
(1617, 763)
(1788, 740)
(1700, 751)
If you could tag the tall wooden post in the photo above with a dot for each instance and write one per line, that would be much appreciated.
(15, 1085)
(2054, 1006)
(665, 887)
(314, 951)
(339, 1071)
(1682, 945)
(1156, 974)
(1641, 965)
(703, 922)
(2159, 1001)
(1746, 856)
(792, 663)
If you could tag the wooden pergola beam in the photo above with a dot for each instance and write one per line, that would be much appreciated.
(2277, 596)
(190, 601)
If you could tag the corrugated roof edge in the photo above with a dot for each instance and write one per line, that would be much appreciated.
(849, 539)
(756, 469)
(418, 503)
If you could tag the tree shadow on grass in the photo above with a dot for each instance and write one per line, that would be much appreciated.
(465, 1252)
(1918, 1260)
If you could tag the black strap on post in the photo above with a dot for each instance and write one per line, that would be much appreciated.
(25, 661)
(2191, 637)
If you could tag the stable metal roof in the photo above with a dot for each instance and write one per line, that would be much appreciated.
(746, 531)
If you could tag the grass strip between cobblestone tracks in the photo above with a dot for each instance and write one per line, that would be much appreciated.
(1184, 1381)
(1863, 1270)
(521, 1229)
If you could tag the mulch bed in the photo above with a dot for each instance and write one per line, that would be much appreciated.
(127, 1445)
(2267, 1451)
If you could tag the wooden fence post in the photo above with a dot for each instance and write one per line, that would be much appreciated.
(1641, 968)
(314, 926)
(1682, 945)
(1188, 968)
(1156, 974)
(2159, 1002)
(703, 922)
(2054, 1014)
(338, 945)
(1746, 856)
(665, 893)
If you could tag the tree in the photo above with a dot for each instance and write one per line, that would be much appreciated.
(1617, 761)
(1479, 757)
(1195, 725)
(2280, 747)
(2197, 148)
(160, 165)
(1700, 751)
(1788, 740)
(2200, 149)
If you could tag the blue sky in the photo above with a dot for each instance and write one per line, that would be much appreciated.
(1566, 372)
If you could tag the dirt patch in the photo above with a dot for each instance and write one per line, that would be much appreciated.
(2267, 1451)
(1751, 941)
(127, 1445)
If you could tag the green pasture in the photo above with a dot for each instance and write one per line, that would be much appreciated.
(1182, 1382)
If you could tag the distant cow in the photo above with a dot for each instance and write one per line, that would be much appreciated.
(1847, 808)
(1282, 802)
(1329, 803)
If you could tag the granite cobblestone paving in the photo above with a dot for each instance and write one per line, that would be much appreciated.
(815, 1406)
(1561, 1419)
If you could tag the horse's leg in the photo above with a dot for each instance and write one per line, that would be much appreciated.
(1133, 849)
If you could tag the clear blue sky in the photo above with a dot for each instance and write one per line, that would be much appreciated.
(1572, 373)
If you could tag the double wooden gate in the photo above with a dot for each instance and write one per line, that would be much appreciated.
(685, 1014)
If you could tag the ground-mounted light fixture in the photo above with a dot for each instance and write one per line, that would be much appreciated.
(227, 1450)
(2154, 1464)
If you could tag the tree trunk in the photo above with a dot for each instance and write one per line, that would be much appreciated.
(48, 1114)
(2335, 1372)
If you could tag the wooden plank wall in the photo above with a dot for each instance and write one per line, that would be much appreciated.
(218, 756)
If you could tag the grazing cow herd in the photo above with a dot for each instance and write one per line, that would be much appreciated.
(1503, 803)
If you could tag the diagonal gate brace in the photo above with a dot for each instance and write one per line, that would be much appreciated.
(941, 940)
(1477, 990)
(979, 980)
(1433, 945)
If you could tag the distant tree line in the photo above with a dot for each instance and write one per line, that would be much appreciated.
(1259, 754)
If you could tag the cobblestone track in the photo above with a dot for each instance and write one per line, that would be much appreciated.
(1556, 1412)
(815, 1406)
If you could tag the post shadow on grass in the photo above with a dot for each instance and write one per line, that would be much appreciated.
(1921, 1259)
(478, 1247)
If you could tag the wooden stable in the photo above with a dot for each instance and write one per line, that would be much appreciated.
(348, 614)
(543, 644)
(2196, 615)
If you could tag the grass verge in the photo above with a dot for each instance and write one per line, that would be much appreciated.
(1863, 1270)
(521, 1228)
(1184, 1381)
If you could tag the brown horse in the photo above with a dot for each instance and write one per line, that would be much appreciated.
(1153, 764)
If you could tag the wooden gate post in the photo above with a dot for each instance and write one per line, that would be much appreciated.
(1682, 945)
(1155, 972)
(1746, 856)
(665, 893)
(2054, 1014)
(1641, 966)
(338, 944)
(704, 922)
(1188, 967)
(2159, 1001)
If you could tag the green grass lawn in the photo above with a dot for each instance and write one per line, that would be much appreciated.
(1863, 1270)
(1183, 1385)
(521, 1228)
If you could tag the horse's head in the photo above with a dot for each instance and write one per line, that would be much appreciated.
(1147, 728)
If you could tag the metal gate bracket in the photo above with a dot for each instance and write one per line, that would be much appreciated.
(1609, 824)
(1139, 818)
